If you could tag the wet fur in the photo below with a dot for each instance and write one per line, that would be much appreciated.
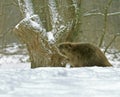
(83, 54)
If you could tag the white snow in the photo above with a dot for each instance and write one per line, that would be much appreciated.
(50, 36)
(18, 80)
(60, 82)
(114, 13)
(26, 7)
(89, 14)
(29, 8)
(54, 13)
(14, 57)
(33, 22)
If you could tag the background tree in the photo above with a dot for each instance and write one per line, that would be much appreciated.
(9, 17)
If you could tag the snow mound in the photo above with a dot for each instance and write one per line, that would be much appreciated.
(18, 80)
(60, 82)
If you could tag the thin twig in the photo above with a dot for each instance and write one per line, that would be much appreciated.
(115, 36)
(105, 23)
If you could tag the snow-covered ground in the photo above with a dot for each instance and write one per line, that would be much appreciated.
(14, 57)
(18, 80)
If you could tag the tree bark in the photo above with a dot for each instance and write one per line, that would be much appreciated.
(43, 52)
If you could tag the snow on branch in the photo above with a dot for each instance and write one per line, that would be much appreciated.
(32, 22)
(55, 17)
(26, 7)
(114, 13)
(56, 20)
(30, 19)
(54, 13)
(99, 13)
(75, 5)
(90, 14)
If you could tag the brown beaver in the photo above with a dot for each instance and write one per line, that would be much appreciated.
(83, 54)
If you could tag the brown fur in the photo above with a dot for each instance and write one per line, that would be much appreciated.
(83, 54)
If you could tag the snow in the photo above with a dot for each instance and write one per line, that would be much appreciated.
(114, 13)
(99, 13)
(14, 54)
(29, 9)
(26, 7)
(50, 36)
(54, 12)
(89, 14)
(34, 22)
(18, 80)
(60, 82)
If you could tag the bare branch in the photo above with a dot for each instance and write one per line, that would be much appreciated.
(99, 13)
(33, 22)
(90, 14)
(105, 22)
(26, 7)
(115, 36)
(56, 20)
(112, 14)
(30, 19)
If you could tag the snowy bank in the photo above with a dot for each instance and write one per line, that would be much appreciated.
(60, 82)
(18, 80)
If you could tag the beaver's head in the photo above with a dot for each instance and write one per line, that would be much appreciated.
(65, 47)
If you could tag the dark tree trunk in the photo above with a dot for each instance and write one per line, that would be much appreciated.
(41, 52)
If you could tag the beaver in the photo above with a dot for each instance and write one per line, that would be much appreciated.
(83, 54)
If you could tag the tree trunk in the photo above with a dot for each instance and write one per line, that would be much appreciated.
(43, 52)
